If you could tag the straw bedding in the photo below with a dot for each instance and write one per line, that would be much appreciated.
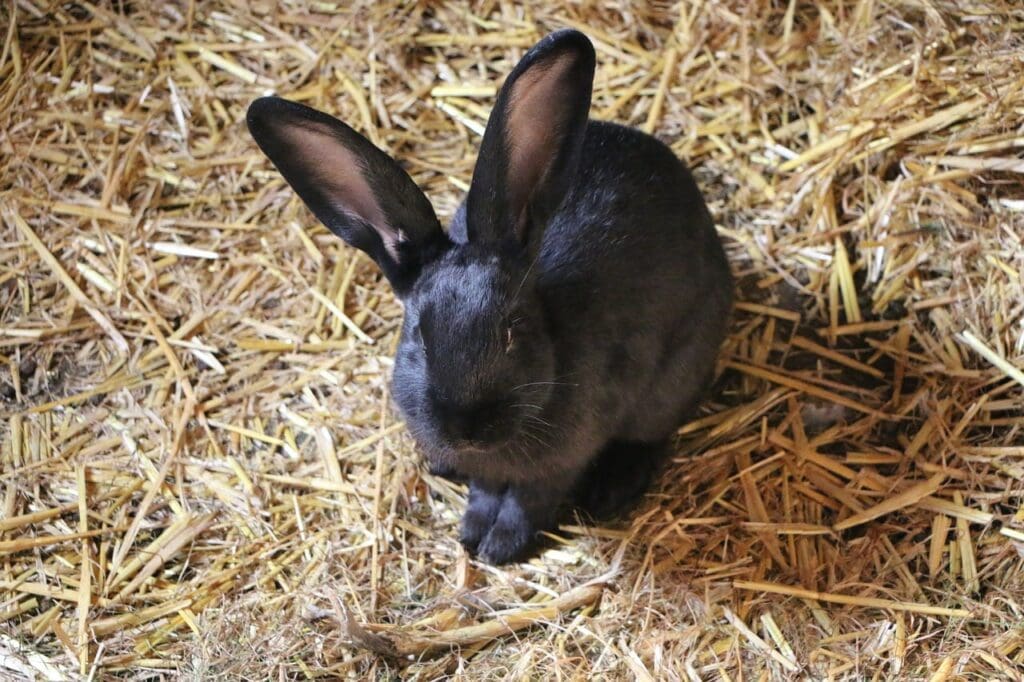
(200, 473)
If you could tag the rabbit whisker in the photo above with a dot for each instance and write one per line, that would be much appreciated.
(519, 289)
(534, 419)
(536, 435)
(523, 451)
(543, 383)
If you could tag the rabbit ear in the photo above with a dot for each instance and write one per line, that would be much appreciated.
(354, 188)
(531, 146)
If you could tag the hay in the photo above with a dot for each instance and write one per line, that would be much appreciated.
(200, 471)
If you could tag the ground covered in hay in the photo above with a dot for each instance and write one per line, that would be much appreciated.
(200, 473)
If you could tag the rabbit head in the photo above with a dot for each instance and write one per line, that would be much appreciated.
(475, 362)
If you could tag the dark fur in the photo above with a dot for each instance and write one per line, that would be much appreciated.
(608, 278)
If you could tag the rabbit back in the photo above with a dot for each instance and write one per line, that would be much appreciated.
(636, 285)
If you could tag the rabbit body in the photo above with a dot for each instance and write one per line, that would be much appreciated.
(636, 293)
(567, 322)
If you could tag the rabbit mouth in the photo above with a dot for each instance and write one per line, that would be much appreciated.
(471, 447)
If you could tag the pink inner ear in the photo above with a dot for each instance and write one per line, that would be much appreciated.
(534, 126)
(337, 172)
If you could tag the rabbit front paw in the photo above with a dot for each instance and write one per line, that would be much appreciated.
(481, 512)
(507, 540)
(506, 531)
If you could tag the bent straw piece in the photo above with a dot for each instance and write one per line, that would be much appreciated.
(809, 389)
(401, 643)
(871, 602)
(908, 497)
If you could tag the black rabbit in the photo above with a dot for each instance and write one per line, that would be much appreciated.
(567, 322)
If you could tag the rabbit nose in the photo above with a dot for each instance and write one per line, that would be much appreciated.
(469, 422)
(461, 423)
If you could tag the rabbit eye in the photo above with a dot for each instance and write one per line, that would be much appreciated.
(510, 336)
